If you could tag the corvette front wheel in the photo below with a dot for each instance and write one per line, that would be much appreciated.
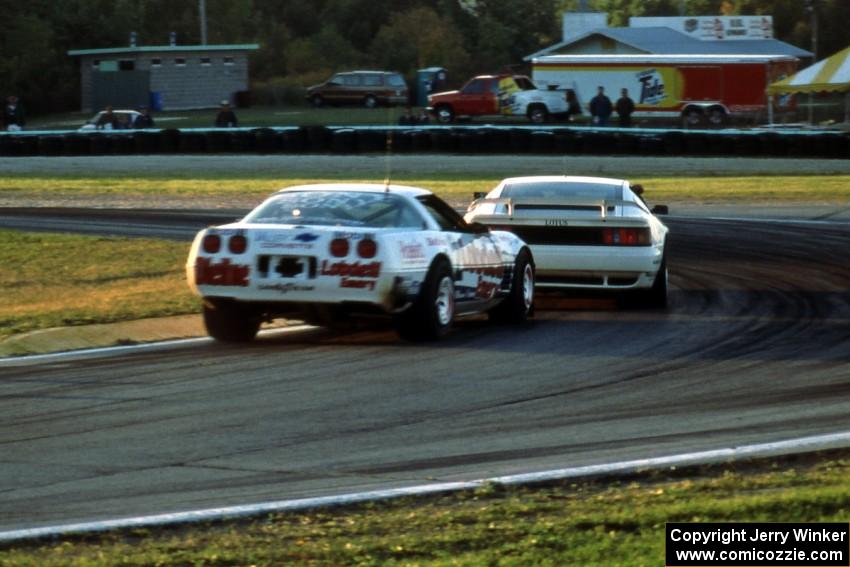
(518, 306)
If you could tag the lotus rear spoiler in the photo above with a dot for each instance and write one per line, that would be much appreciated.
(512, 205)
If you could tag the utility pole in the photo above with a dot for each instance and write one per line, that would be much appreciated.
(811, 8)
(202, 8)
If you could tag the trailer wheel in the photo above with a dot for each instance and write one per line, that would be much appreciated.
(692, 117)
(317, 100)
(370, 101)
(716, 117)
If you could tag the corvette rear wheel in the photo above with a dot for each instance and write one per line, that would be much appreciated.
(431, 316)
(230, 323)
(518, 306)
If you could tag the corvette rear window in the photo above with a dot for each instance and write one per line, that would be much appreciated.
(555, 189)
(335, 208)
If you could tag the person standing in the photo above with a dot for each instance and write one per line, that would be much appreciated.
(13, 114)
(226, 118)
(601, 108)
(625, 107)
(144, 120)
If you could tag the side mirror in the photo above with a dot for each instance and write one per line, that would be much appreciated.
(478, 228)
(479, 195)
(660, 210)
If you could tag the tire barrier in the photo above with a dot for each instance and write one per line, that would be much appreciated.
(267, 141)
(442, 139)
(344, 141)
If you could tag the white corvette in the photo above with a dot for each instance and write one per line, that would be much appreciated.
(584, 232)
(325, 253)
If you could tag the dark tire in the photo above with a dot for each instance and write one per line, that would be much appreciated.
(656, 296)
(230, 323)
(444, 113)
(538, 114)
(370, 101)
(716, 117)
(317, 101)
(518, 306)
(430, 317)
(692, 118)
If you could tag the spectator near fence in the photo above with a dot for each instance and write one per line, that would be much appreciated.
(13, 115)
(625, 107)
(226, 118)
(601, 108)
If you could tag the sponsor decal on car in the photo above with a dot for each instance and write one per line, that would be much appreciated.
(285, 241)
(353, 274)
(222, 273)
(411, 252)
(351, 269)
(286, 287)
(354, 235)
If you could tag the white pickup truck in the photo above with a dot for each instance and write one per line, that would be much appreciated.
(499, 95)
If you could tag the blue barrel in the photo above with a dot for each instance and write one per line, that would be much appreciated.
(156, 101)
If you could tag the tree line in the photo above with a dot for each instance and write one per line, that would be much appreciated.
(304, 41)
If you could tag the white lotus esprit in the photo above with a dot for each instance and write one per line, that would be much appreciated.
(330, 252)
(584, 232)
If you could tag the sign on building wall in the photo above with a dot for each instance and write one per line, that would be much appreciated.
(712, 28)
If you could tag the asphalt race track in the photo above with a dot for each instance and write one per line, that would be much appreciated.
(755, 347)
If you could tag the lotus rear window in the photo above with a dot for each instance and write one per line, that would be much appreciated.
(556, 189)
(334, 208)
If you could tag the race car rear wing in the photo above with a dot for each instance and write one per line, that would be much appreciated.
(604, 206)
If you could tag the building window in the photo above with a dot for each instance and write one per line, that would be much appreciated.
(95, 63)
(205, 61)
(228, 60)
(156, 62)
(126, 65)
(180, 62)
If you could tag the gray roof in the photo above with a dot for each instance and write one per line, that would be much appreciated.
(667, 41)
(163, 49)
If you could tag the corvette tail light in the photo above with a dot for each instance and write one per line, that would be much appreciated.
(237, 244)
(211, 244)
(339, 247)
(626, 236)
(367, 248)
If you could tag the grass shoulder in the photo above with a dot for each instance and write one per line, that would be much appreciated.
(62, 280)
(592, 523)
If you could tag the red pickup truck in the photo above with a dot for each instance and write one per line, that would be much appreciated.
(498, 95)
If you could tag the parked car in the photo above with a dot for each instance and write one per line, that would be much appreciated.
(123, 119)
(367, 88)
(332, 252)
(585, 232)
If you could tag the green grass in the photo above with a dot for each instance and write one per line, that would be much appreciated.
(589, 524)
(454, 187)
(54, 280)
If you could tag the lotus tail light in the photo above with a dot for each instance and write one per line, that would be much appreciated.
(367, 248)
(211, 244)
(339, 247)
(237, 244)
(626, 236)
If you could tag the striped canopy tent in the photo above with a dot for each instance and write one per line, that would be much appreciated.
(828, 75)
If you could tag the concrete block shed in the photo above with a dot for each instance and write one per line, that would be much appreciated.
(171, 77)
